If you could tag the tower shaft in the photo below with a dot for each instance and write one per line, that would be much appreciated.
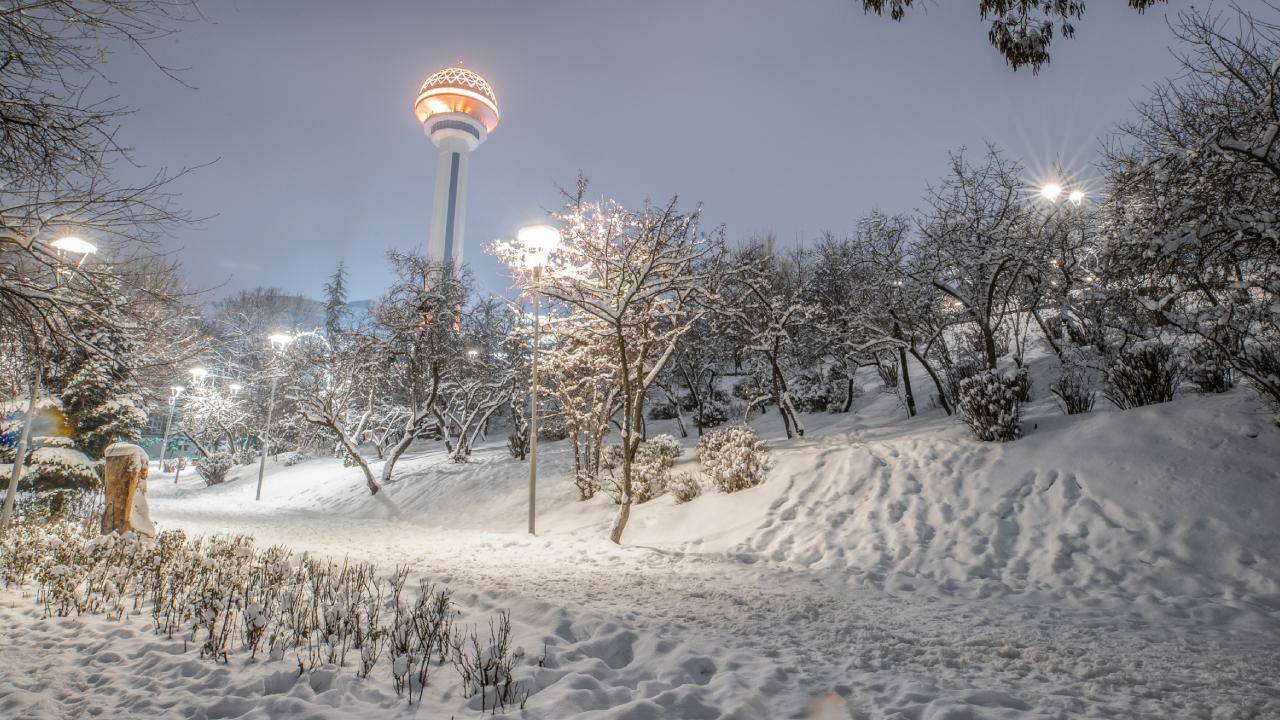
(448, 206)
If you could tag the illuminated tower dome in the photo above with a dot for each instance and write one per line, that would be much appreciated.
(458, 110)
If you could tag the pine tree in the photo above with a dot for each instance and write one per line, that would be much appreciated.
(99, 394)
(335, 302)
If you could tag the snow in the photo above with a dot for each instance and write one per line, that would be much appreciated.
(1113, 564)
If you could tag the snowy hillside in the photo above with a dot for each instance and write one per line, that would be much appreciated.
(1133, 547)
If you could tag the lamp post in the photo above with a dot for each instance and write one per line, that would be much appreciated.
(198, 374)
(279, 341)
(65, 244)
(174, 392)
(538, 241)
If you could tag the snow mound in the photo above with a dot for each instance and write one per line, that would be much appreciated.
(1173, 504)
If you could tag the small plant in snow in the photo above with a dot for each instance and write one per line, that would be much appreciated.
(1074, 390)
(213, 469)
(685, 487)
(989, 404)
(734, 458)
(1146, 374)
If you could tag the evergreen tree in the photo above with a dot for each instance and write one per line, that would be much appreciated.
(335, 302)
(99, 393)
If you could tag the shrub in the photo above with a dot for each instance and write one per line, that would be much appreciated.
(586, 483)
(1208, 371)
(650, 470)
(662, 411)
(809, 393)
(887, 369)
(685, 487)
(734, 458)
(664, 445)
(1074, 391)
(55, 465)
(712, 414)
(214, 468)
(1146, 374)
(953, 374)
(295, 458)
(989, 404)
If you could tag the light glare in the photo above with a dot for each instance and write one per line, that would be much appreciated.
(1051, 191)
(74, 244)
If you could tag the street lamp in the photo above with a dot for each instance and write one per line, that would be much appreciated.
(1051, 192)
(198, 374)
(279, 341)
(174, 392)
(538, 242)
(66, 244)
(1076, 196)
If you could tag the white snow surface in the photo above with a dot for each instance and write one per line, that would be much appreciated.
(1115, 564)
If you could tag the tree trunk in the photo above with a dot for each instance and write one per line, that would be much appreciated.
(937, 383)
(906, 381)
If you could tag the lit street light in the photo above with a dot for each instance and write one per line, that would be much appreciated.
(65, 244)
(174, 392)
(1051, 192)
(279, 342)
(538, 242)
(1076, 196)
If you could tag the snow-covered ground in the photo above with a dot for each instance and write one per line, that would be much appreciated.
(1106, 565)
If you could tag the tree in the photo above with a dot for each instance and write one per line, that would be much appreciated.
(765, 309)
(327, 382)
(975, 241)
(336, 312)
(1021, 30)
(643, 277)
(1193, 238)
(60, 148)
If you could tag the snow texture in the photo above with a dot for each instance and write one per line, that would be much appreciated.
(1112, 564)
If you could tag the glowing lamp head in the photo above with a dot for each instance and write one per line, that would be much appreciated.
(235, 388)
(280, 339)
(538, 242)
(75, 245)
(1051, 192)
(1076, 196)
(198, 374)
(457, 90)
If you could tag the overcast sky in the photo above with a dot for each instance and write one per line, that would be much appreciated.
(790, 117)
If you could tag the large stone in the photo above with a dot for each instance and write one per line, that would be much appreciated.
(125, 468)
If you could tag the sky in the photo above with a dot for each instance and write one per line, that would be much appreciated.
(786, 117)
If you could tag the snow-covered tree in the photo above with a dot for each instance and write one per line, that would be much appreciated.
(642, 276)
(765, 308)
(1193, 190)
(336, 312)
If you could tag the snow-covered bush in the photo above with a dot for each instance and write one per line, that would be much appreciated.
(214, 468)
(586, 483)
(734, 458)
(55, 465)
(953, 374)
(222, 595)
(1146, 374)
(1074, 390)
(665, 446)
(989, 404)
(685, 487)
(650, 471)
(713, 412)
(1208, 371)
(662, 411)
(810, 393)
(296, 458)
(887, 369)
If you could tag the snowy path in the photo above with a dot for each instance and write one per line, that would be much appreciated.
(783, 640)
